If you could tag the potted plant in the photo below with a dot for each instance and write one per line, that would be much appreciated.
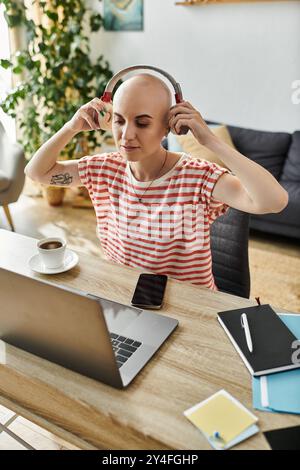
(57, 75)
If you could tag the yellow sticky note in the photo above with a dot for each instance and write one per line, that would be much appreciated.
(222, 413)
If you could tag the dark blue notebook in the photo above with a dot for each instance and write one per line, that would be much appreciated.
(273, 343)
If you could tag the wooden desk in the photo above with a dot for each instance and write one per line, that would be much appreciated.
(195, 362)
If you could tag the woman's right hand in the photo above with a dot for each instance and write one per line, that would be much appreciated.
(87, 117)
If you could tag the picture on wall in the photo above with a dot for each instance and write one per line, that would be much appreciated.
(123, 15)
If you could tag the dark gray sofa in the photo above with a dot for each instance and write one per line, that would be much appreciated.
(279, 153)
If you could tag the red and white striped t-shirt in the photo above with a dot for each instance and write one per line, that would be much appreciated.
(168, 232)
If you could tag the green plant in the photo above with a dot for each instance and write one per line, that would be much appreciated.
(58, 75)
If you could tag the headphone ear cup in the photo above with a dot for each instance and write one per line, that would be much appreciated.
(105, 122)
(183, 130)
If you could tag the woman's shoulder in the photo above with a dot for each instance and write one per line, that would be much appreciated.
(192, 163)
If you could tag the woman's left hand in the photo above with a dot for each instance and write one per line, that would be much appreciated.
(184, 114)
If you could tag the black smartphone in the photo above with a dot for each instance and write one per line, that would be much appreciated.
(149, 291)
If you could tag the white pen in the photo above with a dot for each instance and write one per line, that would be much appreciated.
(245, 325)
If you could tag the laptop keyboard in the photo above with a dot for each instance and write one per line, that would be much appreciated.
(123, 347)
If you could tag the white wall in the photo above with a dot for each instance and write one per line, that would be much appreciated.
(235, 62)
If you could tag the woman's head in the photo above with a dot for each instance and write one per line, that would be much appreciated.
(141, 108)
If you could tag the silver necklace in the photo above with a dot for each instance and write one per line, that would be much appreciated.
(140, 197)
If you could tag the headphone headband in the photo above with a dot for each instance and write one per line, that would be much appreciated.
(107, 95)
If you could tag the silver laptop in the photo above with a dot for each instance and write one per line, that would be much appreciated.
(105, 340)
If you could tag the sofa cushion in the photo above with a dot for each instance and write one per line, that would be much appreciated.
(268, 149)
(191, 146)
(291, 169)
(4, 181)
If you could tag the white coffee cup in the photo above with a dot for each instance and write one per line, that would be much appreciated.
(52, 251)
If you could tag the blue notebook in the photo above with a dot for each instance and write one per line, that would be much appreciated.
(279, 392)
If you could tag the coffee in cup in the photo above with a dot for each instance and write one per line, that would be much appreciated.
(51, 245)
(52, 251)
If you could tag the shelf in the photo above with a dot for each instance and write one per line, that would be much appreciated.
(206, 2)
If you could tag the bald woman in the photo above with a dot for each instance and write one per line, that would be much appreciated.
(154, 207)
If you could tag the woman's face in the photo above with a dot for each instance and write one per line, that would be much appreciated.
(139, 123)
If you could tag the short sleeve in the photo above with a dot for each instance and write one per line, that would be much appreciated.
(84, 172)
(90, 170)
(215, 208)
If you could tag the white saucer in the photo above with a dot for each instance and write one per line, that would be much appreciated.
(71, 259)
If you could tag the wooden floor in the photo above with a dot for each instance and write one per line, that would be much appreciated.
(274, 265)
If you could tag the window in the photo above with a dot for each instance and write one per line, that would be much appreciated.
(5, 76)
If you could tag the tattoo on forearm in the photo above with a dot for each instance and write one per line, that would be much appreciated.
(61, 179)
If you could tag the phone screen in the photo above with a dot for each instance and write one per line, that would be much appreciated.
(149, 291)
